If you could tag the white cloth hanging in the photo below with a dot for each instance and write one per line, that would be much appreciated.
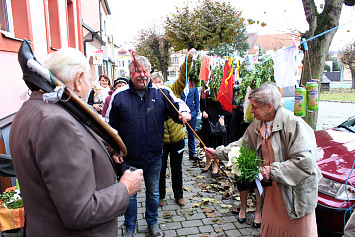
(284, 66)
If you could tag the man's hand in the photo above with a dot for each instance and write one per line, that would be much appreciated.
(191, 52)
(132, 180)
(184, 117)
(210, 152)
(118, 157)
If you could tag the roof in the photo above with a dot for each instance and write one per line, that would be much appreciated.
(333, 76)
(271, 42)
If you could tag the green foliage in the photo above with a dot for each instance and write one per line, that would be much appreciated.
(249, 163)
(239, 46)
(7, 199)
(215, 80)
(195, 71)
(336, 65)
(327, 68)
(207, 24)
(156, 48)
(263, 72)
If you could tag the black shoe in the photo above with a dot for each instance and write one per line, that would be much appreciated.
(241, 220)
(195, 157)
(215, 175)
(256, 225)
(208, 169)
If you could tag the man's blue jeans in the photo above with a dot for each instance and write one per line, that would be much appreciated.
(151, 174)
(191, 136)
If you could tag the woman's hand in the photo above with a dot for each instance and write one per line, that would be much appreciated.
(204, 114)
(265, 171)
(97, 107)
(221, 121)
(210, 153)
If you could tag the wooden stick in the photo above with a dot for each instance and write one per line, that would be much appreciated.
(204, 146)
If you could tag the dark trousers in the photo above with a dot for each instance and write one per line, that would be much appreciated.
(191, 136)
(175, 167)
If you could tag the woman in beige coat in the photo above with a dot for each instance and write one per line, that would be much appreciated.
(288, 148)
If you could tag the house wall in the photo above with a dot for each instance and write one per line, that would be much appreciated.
(30, 22)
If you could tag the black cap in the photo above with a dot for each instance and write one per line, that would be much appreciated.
(120, 80)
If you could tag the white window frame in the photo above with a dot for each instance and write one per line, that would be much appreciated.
(10, 32)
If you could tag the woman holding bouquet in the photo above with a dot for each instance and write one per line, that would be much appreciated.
(288, 148)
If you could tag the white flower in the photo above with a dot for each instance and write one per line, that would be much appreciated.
(233, 155)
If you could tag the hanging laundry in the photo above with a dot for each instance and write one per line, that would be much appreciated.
(284, 67)
(225, 95)
(205, 68)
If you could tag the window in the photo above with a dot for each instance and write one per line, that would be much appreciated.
(176, 59)
(71, 24)
(6, 16)
(53, 27)
(15, 24)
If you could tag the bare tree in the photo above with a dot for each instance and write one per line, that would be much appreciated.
(348, 58)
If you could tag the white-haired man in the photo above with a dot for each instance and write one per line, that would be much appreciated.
(68, 184)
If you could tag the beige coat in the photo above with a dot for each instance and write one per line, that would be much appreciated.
(67, 183)
(295, 167)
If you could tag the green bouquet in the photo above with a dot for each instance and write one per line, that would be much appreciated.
(245, 162)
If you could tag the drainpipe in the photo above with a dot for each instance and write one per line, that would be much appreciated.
(100, 18)
(89, 40)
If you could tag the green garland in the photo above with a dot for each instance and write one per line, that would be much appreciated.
(215, 80)
(194, 73)
(262, 72)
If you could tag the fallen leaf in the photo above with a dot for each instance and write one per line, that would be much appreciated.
(167, 215)
(187, 189)
(208, 210)
(211, 215)
(217, 229)
(224, 211)
(226, 206)
(220, 222)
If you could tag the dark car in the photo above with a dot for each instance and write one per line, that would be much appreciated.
(336, 190)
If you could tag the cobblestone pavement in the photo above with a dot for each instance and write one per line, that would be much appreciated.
(193, 221)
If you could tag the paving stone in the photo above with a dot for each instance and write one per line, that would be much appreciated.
(171, 226)
(233, 233)
(187, 231)
(206, 229)
(192, 223)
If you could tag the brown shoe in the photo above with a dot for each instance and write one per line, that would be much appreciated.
(181, 202)
(161, 203)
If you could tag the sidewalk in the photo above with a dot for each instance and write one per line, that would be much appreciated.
(205, 214)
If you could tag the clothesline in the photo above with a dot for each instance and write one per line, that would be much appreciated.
(316, 36)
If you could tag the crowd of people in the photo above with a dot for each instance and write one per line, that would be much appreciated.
(150, 119)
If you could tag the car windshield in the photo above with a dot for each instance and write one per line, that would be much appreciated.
(349, 125)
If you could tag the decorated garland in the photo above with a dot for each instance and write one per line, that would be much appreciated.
(263, 72)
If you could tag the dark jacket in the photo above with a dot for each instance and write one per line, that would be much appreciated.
(192, 101)
(140, 121)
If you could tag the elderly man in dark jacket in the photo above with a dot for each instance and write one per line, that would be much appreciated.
(137, 112)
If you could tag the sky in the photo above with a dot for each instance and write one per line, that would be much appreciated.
(281, 16)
